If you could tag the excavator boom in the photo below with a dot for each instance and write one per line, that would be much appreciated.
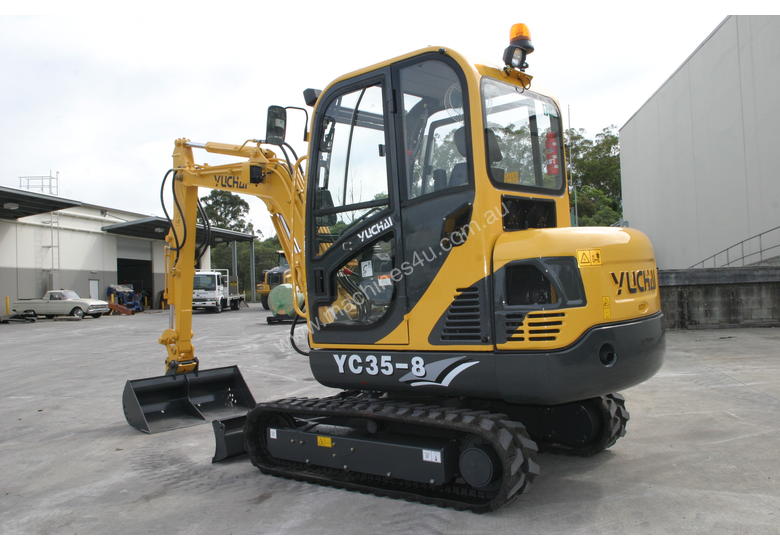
(278, 184)
(186, 394)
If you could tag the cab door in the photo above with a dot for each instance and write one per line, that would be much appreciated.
(437, 195)
(354, 244)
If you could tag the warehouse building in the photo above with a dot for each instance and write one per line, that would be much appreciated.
(699, 160)
(49, 242)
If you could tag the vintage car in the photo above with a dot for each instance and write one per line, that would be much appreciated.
(60, 302)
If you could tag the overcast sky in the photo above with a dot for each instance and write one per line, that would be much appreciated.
(101, 96)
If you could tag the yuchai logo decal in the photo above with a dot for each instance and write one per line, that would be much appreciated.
(229, 182)
(375, 229)
(641, 280)
(439, 373)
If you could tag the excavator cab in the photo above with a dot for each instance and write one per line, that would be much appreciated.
(446, 192)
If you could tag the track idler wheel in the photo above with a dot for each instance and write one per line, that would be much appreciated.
(615, 417)
(478, 465)
(587, 427)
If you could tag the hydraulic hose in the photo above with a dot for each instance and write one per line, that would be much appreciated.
(292, 336)
(179, 244)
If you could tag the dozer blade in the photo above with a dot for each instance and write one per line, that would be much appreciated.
(173, 401)
(228, 437)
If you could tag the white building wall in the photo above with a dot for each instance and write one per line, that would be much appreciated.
(83, 251)
(133, 248)
(699, 160)
(8, 252)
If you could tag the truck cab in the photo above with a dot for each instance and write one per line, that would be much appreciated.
(211, 291)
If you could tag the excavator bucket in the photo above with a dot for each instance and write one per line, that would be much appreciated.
(228, 437)
(173, 401)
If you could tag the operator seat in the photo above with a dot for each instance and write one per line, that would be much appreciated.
(459, 175)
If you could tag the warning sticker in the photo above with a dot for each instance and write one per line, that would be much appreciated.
(323, 441)
(605, 308)
(589, 257)
(367, 269)
(271, 433)
(431, 456)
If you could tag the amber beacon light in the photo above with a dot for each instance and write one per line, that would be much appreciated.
(519, 47)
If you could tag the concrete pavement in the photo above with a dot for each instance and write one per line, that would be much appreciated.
(701, 454)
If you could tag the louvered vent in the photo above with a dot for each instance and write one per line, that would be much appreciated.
(462, 322)
(536, 327)
(544, 326)
(513, 323)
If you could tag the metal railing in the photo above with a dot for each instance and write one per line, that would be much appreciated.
(737, 254)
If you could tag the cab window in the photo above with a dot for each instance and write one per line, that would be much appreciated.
(434, 132)
(364, 287)
(351, 178)
(522, 138)
(204, 282)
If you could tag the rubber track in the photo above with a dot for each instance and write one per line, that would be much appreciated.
(515, 449)
(614, 419)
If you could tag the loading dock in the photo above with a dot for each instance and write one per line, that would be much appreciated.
(130, 257)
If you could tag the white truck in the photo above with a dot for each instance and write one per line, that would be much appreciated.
(211, 290)
(60, 302)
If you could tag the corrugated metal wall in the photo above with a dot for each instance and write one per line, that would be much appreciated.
(700, 160)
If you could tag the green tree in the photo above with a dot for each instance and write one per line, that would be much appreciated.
(595, 208)
(227, 210)
(265, 258)
(595, 167)
(266, 255)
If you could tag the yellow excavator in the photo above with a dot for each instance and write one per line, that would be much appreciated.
(465, 323)
(277, 275)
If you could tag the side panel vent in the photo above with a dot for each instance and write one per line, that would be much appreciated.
(513, 331)
(462, 322)
(544, 327)
(533, 327)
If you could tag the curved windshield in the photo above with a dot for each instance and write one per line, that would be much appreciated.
(523, 137)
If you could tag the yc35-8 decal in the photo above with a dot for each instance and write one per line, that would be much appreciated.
(414, 371)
